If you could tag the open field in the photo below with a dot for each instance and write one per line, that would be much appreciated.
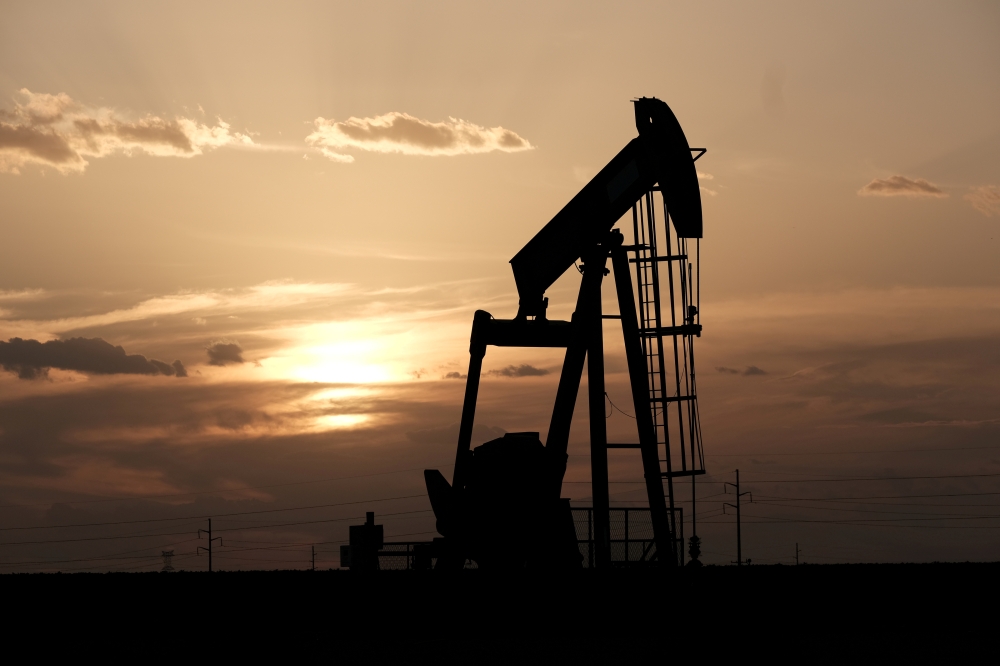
(821, 613)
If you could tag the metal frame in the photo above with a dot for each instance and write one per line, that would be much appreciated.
(659, 315)
(648, 330)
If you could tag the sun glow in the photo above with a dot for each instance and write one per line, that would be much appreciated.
(336, 421)
(364, 351)
(343, 362)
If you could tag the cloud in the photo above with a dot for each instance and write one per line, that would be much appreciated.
(128, 436)
(396, 132)
(455, 375)
(225, 352)
(750, 371)
(31, 359)
(57, 131)
(706, 176)
(985, 199)
(515, 371)
(901, 186)
(267, 296)
(480, 433)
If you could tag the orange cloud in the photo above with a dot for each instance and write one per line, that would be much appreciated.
(901, 186)
(985, 199)
(396, 132)
(57, 131)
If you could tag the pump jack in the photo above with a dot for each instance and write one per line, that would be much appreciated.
(503, 508)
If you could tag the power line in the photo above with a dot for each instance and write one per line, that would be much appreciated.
(866, 478)
(114, 556)
(914, 513)
(840, 453)
(226, 490)
(939, 505)
(837, 499)
(862, 524)
(861, 521)
(236, 529)
(218, 515)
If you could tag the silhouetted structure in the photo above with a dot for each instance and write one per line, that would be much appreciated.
(365, 542)
(168, 560)
(503, 507)
(211, 540)
(632, 542)
(739, 524)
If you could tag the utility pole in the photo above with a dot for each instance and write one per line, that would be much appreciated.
(314, 556)
(739, 535)
(796, 553)
(210, 540)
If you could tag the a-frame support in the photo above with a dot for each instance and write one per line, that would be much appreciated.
(583, 339)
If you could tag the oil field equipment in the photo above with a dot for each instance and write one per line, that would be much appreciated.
(361, 553)
(502, 508)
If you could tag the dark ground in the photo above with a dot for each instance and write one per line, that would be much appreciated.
(807, 614)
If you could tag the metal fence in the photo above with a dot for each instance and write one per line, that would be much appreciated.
(632, 543)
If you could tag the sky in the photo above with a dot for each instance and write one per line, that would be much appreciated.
(243, 244)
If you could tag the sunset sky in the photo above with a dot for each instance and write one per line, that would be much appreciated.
(286, 214)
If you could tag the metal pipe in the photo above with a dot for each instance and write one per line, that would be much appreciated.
(598, 422)
(477, 350)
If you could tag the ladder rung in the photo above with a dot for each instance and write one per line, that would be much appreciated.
(669, 257)
(674, 398)
(686, 329)
(684, 472)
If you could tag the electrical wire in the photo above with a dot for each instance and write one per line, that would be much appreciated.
(220, 515)
(616, 407)
(837, 499)
(228, 490)
(839, 453)
(236, 529)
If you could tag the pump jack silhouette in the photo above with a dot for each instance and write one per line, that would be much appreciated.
(502, 508)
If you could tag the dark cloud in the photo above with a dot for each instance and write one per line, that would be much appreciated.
(131, 439)
(456, 375)
(750, 371)
(898, 415)
(41, 143)
(901, 186)
(225, 352)
(515, 371)
(147, 131)
(31, 359)
(449, 434)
